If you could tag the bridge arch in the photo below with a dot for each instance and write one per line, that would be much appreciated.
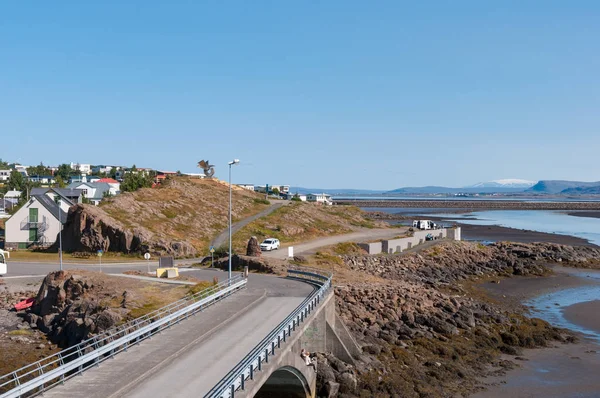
(285, 382)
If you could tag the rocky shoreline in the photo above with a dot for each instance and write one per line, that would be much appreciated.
(426, 331)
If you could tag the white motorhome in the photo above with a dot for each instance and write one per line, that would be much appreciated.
(3, 256)
(424, 224)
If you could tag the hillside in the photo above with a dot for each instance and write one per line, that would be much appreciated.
(179, 218)
(595, 190)
(301, 221)
(558, 186)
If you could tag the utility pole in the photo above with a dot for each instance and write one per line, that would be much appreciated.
(57, 200)
(234, 161)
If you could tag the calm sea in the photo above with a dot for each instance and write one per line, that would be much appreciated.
(536, 220)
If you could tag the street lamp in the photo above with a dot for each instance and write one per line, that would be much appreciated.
(234, 161)
(57, 200)
(3, 202)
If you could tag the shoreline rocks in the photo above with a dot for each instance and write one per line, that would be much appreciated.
(422, 330)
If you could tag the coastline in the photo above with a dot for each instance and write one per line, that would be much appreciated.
(562, 369)
(587, 214)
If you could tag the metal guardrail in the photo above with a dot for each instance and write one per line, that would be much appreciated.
(236, 379)
(46, 373)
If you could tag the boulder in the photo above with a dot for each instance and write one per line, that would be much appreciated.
(253, 249)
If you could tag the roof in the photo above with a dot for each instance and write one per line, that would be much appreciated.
(100, 188)
(108, 181)
(65, 193)
(13, 194)
(51, 206)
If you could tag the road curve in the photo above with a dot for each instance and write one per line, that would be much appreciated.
(223, 237)
(188, 359)
(358, 236)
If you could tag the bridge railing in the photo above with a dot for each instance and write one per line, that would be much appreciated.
(54, 369)
(245, 370)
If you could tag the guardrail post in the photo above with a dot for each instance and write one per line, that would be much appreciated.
(252, 371)
(232, 390)
(279, 340)
(266, 355)
(243, 382)
(272, 348)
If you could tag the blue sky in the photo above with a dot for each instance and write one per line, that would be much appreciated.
(334, 94)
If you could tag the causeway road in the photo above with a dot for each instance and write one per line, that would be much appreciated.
(189, 358)
(364, 235)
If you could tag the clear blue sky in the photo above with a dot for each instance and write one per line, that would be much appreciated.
(333, 94)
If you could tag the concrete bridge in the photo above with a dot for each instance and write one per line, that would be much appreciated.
(190, 358)
(286, 374)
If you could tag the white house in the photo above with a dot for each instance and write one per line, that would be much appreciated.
(38, 222)
(319, 198)
(249, 187)
(283, 189)
(95, 191)
(81, 167)
(5, 175)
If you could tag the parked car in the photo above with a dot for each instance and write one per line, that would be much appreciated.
(3, 268)
(270, 244)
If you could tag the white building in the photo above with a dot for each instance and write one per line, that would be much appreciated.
(5, 175)
(283, 189)
(319, 198)
(96, 191)
(81, 167)
(249, 187)
(38, 222)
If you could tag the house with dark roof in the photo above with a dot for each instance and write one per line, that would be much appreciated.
(39, 221)
(94, 191)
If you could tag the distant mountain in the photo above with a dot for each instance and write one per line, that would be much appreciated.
(348, 191)
(431, 190)
(582, 191)
(559, 186)
(506, 183)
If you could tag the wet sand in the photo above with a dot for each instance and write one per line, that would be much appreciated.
(497, 233)
(590, 214)
(586, 314)
(567, 370)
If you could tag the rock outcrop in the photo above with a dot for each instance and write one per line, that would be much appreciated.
(422, 331)
(89, 229)
(67, 312)
(253, 249)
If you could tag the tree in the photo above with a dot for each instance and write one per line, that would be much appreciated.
(60, 183)
(39, 170)
(134, 181)
(16, 181)
(3, 164)
(275, 191)
(64, 171)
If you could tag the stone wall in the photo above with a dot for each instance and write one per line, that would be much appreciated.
(392, 246)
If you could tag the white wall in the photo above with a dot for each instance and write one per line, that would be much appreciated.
(14, 234)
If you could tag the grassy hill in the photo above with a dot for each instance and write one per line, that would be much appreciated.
(184, 209)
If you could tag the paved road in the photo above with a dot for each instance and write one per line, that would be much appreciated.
(223, 237)
(190, 358)
(362, 235)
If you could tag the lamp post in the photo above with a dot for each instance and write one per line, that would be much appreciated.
(234, 161)
(57, 200)
(3, 202)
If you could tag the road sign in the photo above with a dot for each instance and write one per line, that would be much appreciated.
(99, 253)
(147, 256)
(212, 249)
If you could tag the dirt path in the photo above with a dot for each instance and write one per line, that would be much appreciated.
(223, 237)
(361, 235)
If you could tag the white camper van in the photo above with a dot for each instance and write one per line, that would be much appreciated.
(424, 224)
(3, 256)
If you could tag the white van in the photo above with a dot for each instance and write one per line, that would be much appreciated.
(3, 256)
(424, 224)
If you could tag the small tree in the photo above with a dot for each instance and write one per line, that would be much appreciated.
(16, 181)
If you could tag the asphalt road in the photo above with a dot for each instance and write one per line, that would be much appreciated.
(312, 246)
(223, 237)
(188, 359)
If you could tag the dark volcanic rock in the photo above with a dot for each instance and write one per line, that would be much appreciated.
(253, 249)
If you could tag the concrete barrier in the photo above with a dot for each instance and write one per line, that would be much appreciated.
(167, 272)
(399, 245)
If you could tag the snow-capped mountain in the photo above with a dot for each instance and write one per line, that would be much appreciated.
(506, 183)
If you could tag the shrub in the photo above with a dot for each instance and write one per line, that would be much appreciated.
(261, 201)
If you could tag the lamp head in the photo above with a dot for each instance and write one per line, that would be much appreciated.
(234, 161)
